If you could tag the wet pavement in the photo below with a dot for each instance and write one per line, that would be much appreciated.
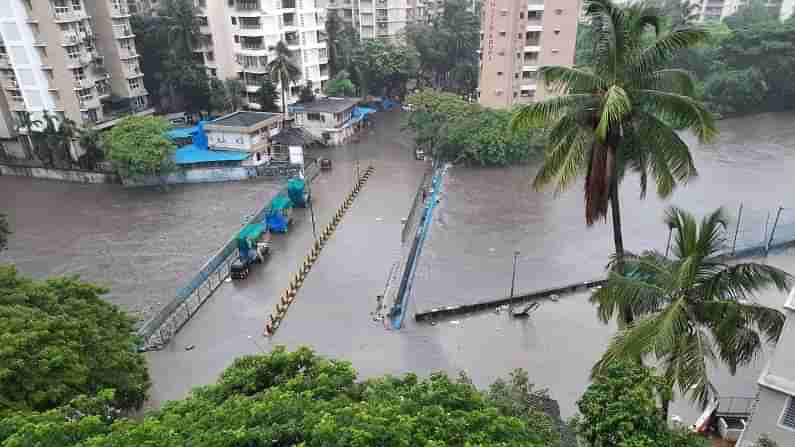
(484, 215)
(142, 243)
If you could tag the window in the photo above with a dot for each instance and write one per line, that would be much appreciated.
(788, 415)
(134, 84)
(534, 15)
(521, 15)
(314, 117)
(526, 75)
(237, 38)
(528, 93)
(504, 12)
(234, 20)
(210, 56)
(499, 73)
(502, 33)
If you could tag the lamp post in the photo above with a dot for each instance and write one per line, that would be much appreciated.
(513, 281)
(311, 200)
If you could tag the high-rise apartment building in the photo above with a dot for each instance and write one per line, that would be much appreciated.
(237, 39)
(717, 10)
(517, 37)
(67, 58)
(376, 18)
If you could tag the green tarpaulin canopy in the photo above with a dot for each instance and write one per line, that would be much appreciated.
(251, 231)
(281, 202)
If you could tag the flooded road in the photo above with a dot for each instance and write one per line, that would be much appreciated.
(484, 215)
(142, 243)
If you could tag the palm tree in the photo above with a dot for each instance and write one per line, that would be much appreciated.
(284, 71)
(24, 122)
(691, 308)
(622, 110)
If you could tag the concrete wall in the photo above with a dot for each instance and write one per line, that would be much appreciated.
(766, 420)
(66, 175)
(212, 175)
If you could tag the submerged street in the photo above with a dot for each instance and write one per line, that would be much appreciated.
(144, 244)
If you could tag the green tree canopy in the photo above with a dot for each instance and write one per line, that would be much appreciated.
(691, 309)
(60, 340)
(455, 130)
(384, 67)
(136, 146)
(340, 85)
(297, 398)
(619, 409)
(267, 96)
(620, 112)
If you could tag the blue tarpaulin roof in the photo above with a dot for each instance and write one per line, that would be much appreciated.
(363, 111)
(191, 154)
(181, 133)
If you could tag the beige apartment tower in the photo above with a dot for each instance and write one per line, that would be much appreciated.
(73, 59)
(517, 37)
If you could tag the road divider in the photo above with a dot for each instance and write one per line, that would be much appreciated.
(289, 294)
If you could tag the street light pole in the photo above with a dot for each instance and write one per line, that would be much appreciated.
(513, 281)
(311, 206)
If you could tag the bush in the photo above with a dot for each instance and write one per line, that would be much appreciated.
(137, 146)
(60, 340)
(297, 398)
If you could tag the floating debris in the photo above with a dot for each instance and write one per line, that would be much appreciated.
(433, 323)
(190, 347)
(455, 322)
(228, 279)
(554, 297)
(379, 219)
(595, 289)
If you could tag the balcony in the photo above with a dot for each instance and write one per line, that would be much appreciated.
(248, 6)
(10, 84)
(66, 14)
(89, 102)
(127, 53)
(119, 11)
(288, 4)
(5, 62)
(69, 39)
(123, 32)
(80, 84)
(250, 30)
(17, 103)
(132, 71)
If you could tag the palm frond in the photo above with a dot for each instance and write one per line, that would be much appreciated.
(666, 46)
(549, 111)
(571, 79)
(633, 293)
(565, 158)
(615, 106)
(680, 111)
(672, 80)
(685, 364)
(740, 281)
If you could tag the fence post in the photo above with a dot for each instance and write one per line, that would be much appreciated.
(737, 228)
(773, 230)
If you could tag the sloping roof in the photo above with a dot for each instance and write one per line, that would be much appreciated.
(191, 154)
(242, 119)
(327, 105)
(294, 136)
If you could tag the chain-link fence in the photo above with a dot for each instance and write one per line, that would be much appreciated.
(158, 330)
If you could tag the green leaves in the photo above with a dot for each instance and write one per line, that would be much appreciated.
(59, 339)
(300, 399)
(5, 231)
(137, 147)
(691, 309)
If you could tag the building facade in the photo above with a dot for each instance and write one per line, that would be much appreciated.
(331, 120)
(376, 18)
(717, 10)
(517, 37)
(237, 38)
(774, 414)
(67, 58)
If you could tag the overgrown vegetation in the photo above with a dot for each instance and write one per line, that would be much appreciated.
(298, 398)
(137, 147)
(455, 130)
(619, 409)
(60, 339)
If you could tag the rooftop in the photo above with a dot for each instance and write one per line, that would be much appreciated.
(191, 154)
(327, 105)
(243, 119)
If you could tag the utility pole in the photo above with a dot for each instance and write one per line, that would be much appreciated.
(513, 281)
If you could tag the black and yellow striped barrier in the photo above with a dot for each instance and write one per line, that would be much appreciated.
(288, 296)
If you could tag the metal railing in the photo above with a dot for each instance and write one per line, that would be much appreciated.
(156, 332)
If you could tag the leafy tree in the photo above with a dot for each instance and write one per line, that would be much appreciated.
(91, 142)
(341, 85)
(137, 147)
(691, 308)
(447, 47)
(284, 71)
(307, 94)
(5, 231)
(622, 111)
(226, 96)
(733, 91)
(298, 398)
(384, 67)
(24, 127)
(235, 92)
(267, 96)
(333, 27)
(619, 409)
(60, 340)
(218, 97)
(455, 130)
(182, 24)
